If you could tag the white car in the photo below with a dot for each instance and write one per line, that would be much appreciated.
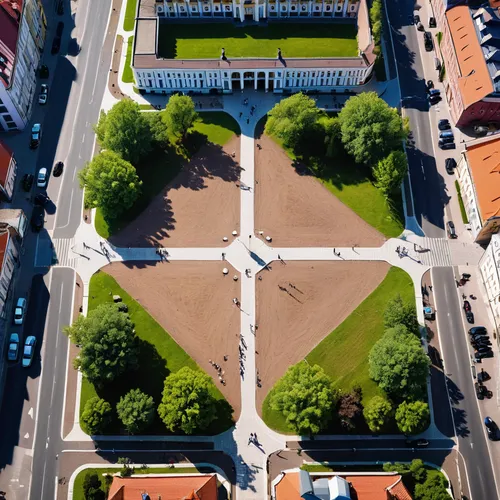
(13, 351)
(41, 180)
(20, 311)
(44, 94)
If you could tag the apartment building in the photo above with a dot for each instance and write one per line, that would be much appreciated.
(22, 37)
(489, 267)
(8, 171)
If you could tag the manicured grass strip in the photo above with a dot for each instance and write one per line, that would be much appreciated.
(159, 355)
(78, 484)
(202, 41)
(129, 21)
(128, 74)
(465, 219)
(343, 354)
(219, 128)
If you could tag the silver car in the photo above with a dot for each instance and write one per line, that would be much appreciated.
(29, 351)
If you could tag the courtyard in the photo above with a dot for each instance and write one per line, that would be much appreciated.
(204, 41)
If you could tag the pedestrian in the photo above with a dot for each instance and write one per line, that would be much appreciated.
(225, 357)
(279, 257)
(241, 114)
(223, 256)
(334, 251)
(398, 249)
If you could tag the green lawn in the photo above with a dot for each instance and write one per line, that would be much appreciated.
(162, 165)
(204, 41)
(128, 74)
(343, 354)
(159, 355)
(463, 213)
(78, 485)
(129, 21)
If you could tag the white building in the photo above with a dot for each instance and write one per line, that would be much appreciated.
(489, 266)
(154, 74)
(22, 36)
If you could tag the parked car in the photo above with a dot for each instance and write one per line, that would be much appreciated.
(29, 351)
(469, 315)
(478, 356)
(483, 376)
(480, 339)
(27, 181)
(450, 164)
(446, 144)
(37, 218)
(432, 22)
(420, 27)
(481, 330)
(482, 391)
(491, 428)
(484, 348)
(481, 130)
(56, 45)
(41, 199)
(19, 311)
(451, 229)
(467, 306)
(43, 72)
(447, 135)
(36, 135)
(59, 29)
(13, 351)
(417, 443)
(44, 94)
(429, 85)
(58, 169)
(41, 180)
(444, 124)
(428, 44)
(416, 18)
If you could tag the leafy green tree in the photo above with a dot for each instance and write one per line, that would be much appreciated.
(333, 134)
(389, 172)
(370, 128)
(179, 114)
(306, 397)
(412, 417)
(111, 183)
(398, 312)
(292, 118)
(434, 488)
(418, 470)
(96, 415)
(158, 128)
(187, 403)
(376, 23)
(350, 409)
(136, 410)
(92, 487)
(107, 340)
(377, 413)
(124, 130)
(399, 364)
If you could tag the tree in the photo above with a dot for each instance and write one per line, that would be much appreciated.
(305, 396)
(434, 488)
(350, 408)
(377, 412)
(124, 130)
(418, 470)
(376, 22)
(399, 364)
(370, 128)
(389, 172)
(398, 312)
(92, 487)
(107, 341)
(158, 128)
(179, 114)
(332, 136)
(412, 417)
(96, 415)
(187, 402)
(136, 410)
(292, 118)
(111, 183)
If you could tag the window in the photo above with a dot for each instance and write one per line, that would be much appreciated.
(7, 118)
(340, 74)
(3, 109)
(11, 125)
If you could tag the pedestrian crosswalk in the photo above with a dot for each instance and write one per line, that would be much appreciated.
(63, 254)
(436, 252)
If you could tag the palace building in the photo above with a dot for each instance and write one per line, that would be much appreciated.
(219, 47)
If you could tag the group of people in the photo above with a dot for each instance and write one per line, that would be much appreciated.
(252, 110)
(162, 252)
(242, 356)
(220, 371)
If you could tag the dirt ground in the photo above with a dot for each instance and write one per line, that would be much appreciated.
(291, 323)
(298, 211)
(193, 302)
(198, 208)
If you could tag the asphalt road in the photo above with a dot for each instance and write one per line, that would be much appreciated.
(427, 187)
(470, 431)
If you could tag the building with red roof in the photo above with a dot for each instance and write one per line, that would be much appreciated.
(8, 170)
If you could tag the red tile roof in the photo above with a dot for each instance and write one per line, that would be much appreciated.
(10, 17)
(4, 239)
(203, 487)
(5, 157)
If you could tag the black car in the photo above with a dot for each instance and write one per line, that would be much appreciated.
(467, 306)
(446, 145)
(417, 443)
(480, 339)
(481, 355)
(450, 164)
(428, 41)
(432, 22)
(450, 227)
(429, 85)
(27, 181)
(491, 428)
(481, 130)
(58, 169)
(59, 29)
(43, 72)
(444, 124)
(416, 18)
(481, 330)
(56, 45)
(41, 199)
(482, 391)
(37, 218)
(469, 315)
(476, 344)
(483, 376)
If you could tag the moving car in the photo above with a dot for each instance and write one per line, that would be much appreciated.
(58, 169)
(13, 351)
(27, 181)
(481, 330)
(19, 311)
(491, 428)
(469, 315)
(36, 135)
(482, 391)
(467, 306)
(44, 94)
(444, 124)
(450, 164)
(29, 351)
(41, 199)
(428, 44)
(41, 180)
(417, 443)
(451, 230)
(37, 218)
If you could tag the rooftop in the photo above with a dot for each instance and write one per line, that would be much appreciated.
(484, 164)
(10, 16)
(5, 157)
(171, 487)
(4, 239)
